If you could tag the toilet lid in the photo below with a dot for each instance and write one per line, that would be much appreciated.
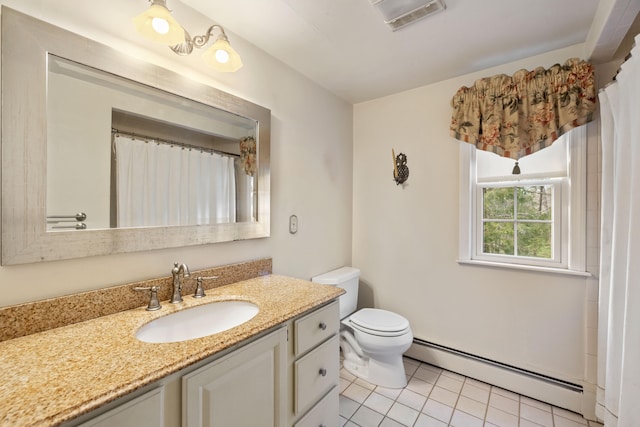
(377, 320)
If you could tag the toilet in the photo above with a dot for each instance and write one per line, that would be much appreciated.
(372, 340)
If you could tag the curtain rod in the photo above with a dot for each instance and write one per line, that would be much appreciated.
(626, 58)
(147, 138)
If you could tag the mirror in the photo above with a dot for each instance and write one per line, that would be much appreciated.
(142, 157)
(72, 111)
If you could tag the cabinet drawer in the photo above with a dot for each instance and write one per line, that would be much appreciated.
(315, 327)
(316, 373)
(324, 414)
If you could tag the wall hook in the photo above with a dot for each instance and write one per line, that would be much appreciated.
(400, 168)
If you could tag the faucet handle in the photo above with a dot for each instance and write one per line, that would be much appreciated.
(154, 304)
(199, 293)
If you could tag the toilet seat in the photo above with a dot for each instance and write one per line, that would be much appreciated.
(379, 322)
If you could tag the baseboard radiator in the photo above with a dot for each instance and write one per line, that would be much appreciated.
(537, 386)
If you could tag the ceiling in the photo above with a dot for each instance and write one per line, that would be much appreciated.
(345, 46)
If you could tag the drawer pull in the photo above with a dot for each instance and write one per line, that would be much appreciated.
(322, 326)
(322, 372)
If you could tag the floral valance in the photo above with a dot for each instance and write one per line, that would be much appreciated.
(514, 116)
(248, 155)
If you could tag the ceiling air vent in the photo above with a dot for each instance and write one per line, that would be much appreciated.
(400, 13)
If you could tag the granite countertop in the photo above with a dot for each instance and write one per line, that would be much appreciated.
(53, 376)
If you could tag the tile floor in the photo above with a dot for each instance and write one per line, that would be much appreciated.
(435, 397)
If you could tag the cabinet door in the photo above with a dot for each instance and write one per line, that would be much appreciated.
(244, 388)
(143, 411)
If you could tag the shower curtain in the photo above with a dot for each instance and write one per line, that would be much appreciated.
(619, 302)
(162, 184)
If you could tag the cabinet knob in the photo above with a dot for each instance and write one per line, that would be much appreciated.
(322, 326)
(322, 372)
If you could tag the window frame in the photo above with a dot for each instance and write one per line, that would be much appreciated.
(558, 223)
(573, 222)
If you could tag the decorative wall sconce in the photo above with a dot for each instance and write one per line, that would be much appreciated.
(400, 168)
(159, 26)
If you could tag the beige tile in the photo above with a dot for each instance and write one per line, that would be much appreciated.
(535, 403)
(391, 393)
(347, 375)
(378, 403)
(427, 421)
(366, 417)
(388, 422)
(462, 419)
(419, 386)
(472, 407)
(559, 412)
(478, 384)
(403, 414)
(505, 404)
(426, 374)
(438, 410)
(527, 423)
(505, 393)
(449, 383)
(500, 418)
(410, 366)
(564, 422)
(445, 396)
(348, 407)
(471, 391)
(365, 384)
(431, 368)
(412, 399)
(476, 404)
(453, 375)
(357, 393)
(344, 384)
(536, 415)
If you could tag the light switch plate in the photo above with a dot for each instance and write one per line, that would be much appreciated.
(293, 224)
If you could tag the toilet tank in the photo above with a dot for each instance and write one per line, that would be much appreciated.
(346, 278)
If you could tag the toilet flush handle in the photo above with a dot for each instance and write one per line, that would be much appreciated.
(322, 326)
(322, 372)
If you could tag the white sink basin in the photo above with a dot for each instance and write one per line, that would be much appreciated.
(197, 322)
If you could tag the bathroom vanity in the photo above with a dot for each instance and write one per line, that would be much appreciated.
(278, 369)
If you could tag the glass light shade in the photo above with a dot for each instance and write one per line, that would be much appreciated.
(215, 56)
(157, 24)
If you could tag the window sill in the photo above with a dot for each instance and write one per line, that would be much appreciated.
(526, 267)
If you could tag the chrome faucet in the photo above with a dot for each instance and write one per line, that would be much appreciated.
(177, 283)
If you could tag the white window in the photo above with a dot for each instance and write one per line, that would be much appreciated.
(532, 220)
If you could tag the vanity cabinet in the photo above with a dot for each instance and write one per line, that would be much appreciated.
(314, 365)
(285, 378)
(244, 388)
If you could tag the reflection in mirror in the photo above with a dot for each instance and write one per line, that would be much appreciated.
(149, 157)
(58, 144)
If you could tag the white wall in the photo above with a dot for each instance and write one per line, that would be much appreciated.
(311, 162)
(405, 241)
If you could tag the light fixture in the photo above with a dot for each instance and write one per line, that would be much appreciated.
(221, 56)
(158, 25)
(400, 13)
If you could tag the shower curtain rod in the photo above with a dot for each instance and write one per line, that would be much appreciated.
(626, 58)
(147, 138)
